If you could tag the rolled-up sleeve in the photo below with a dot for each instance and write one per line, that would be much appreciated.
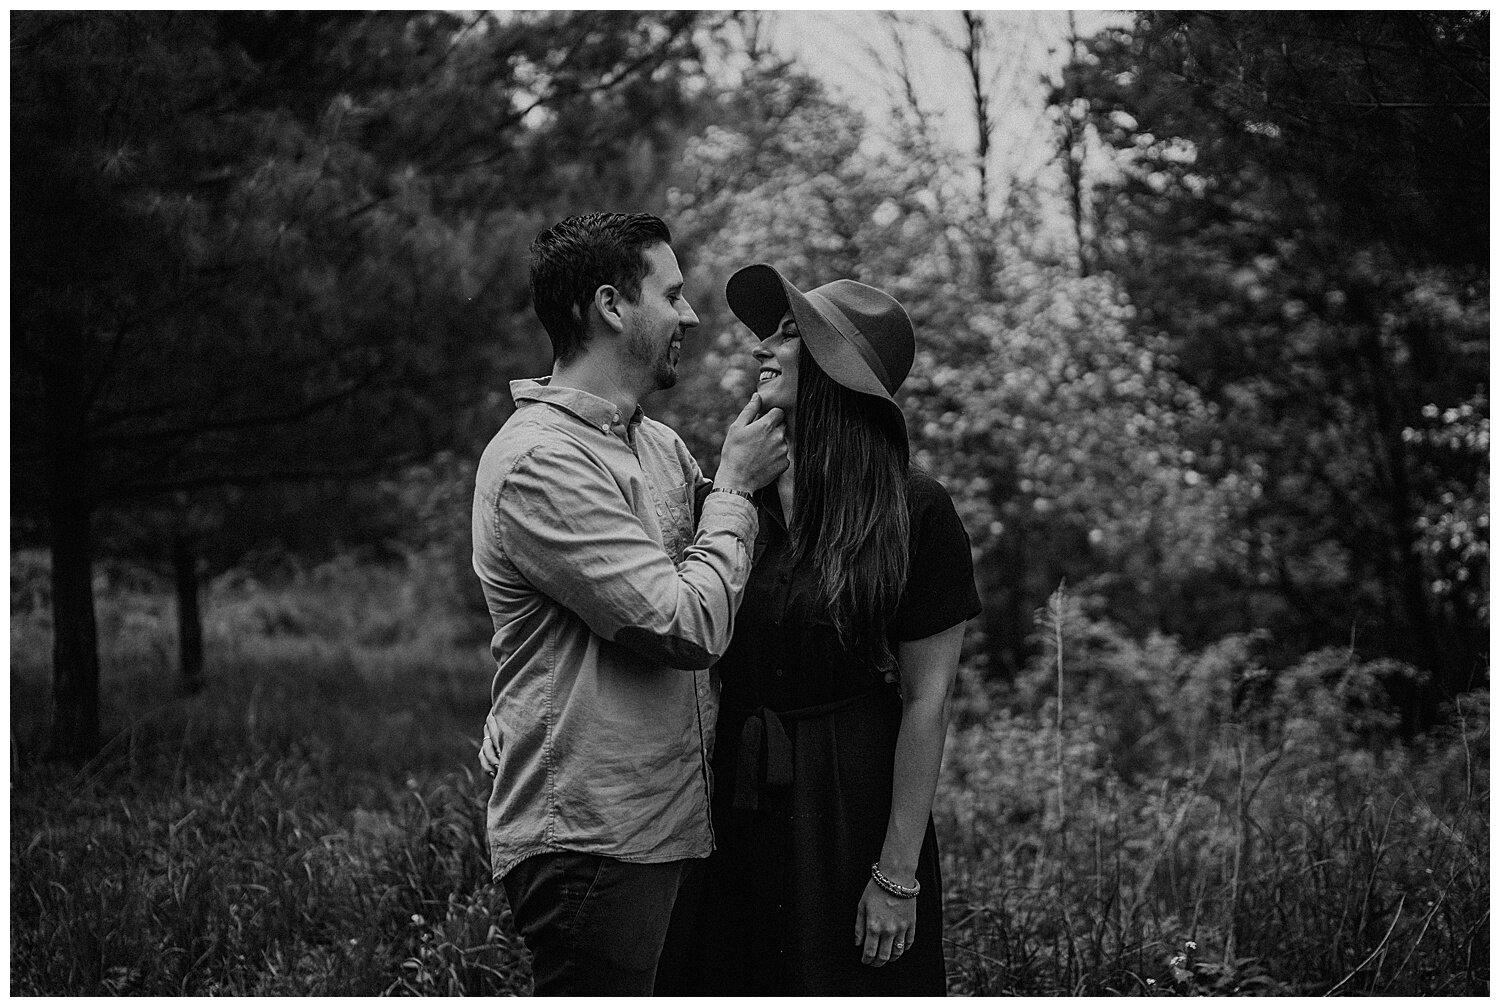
(563, 520)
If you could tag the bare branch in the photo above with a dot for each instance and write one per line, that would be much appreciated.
(1403, 104)
(904, 74)
(972, 52)
(246, 422)
(129, 489)
(54, 26)
(649, 55)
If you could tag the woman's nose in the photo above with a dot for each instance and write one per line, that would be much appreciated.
(761, 352)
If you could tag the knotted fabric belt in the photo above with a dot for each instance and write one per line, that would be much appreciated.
(765, 755)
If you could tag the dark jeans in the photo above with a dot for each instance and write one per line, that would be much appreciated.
(595, 926)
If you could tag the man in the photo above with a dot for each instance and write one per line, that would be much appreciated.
(608, 608)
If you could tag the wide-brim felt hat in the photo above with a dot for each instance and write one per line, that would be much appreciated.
(859, 335)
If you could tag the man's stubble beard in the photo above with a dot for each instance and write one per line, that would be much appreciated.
(663, 371)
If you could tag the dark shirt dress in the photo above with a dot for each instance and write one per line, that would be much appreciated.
(803, 768)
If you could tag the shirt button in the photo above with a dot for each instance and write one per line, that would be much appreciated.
(779, 673)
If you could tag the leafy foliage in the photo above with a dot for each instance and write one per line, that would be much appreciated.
(1287, 203)
(1063, 434)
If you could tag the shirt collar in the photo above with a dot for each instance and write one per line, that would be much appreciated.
(593, 410)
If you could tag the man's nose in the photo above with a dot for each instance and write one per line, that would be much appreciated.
(687, 317)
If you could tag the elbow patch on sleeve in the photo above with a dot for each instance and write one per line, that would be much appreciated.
(672, 651)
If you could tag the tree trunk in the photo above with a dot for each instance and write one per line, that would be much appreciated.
(1009, 610)
(75, 647)
(972, 51)
(189, 615)
(75, 644)
(984, 127)
(1071, 149)
(1402, 559)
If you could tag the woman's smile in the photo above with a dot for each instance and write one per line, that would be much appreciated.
(777, 356)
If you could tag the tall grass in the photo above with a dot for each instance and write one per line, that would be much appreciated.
(1223, 830)
(309, 824)
(1181, 823)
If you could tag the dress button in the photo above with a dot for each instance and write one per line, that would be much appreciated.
(779, 673)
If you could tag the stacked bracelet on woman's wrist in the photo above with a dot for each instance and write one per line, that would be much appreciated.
(900, 891)
(739, 493)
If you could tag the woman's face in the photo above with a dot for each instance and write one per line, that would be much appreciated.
(777, 355)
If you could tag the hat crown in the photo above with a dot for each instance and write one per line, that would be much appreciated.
(880, 321)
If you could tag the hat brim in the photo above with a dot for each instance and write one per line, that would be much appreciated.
(759, 296)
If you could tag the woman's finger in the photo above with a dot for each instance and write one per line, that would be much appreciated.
(859, 925)
(883, 952)
(871, 949)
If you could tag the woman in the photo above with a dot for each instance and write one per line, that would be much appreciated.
(835, 687)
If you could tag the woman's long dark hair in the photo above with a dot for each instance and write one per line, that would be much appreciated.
(851, 519)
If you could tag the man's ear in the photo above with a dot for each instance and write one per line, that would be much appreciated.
(607, 301)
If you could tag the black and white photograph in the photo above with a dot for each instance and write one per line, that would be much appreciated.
(749, 503)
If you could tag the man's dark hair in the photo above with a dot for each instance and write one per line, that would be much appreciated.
(575, 257)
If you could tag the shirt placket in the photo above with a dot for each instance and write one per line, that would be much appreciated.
(666, 521)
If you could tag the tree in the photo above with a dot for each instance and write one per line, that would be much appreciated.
(1292, 208)
(263, 247)
(1061, 434)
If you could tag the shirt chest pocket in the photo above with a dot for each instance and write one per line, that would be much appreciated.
(676, 514)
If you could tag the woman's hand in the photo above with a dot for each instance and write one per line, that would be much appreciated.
(489, 754)
(885, 926)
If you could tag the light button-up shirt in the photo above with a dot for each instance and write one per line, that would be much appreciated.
(608, 609)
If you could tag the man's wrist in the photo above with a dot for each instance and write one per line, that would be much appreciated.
(717, 488)
(730, 478)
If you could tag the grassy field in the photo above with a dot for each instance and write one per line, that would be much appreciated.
(312, 822)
